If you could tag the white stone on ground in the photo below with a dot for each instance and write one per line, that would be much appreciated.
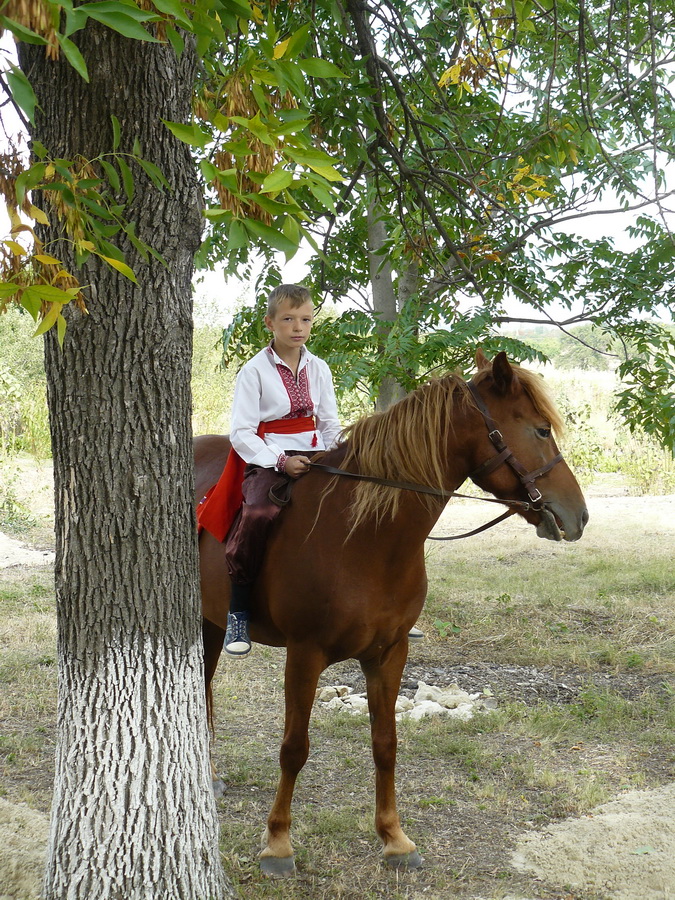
(429, 700)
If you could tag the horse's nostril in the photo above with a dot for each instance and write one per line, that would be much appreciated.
(584, 518)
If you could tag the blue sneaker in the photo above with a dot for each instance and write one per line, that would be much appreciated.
(237, 641)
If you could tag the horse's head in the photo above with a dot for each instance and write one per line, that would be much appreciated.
(516, 457)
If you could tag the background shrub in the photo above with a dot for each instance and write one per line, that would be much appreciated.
(596, 441)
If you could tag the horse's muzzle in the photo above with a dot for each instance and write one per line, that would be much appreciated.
(559, 524)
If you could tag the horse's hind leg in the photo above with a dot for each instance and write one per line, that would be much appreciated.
(383, 678)
(215, 594)
(303, 668)
(213, 637)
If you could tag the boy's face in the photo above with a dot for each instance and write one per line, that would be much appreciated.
(290, 325)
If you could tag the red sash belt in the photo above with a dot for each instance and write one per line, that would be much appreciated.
(216, 512)
(287, 426)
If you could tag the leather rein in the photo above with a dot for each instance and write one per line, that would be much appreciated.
(504, 457)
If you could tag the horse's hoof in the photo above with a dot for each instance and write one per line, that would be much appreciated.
(218, 786)
(404, 860)
(277, 866)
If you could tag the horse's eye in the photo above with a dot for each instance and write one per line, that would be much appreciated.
(544, 433)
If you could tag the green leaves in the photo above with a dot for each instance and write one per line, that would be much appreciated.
(294, 45)
(22, 91)
(257, 127)
(125, 18)
(8, 289)
(190, 134)
(175, 9)
(20, 32)
(271, 237)
(647, 397)
(276, 181)
(245, 232)
(73, 55)
(88, 192)
(44, 303)
(320, 68)
(120, 266)
(28, 179)
(316, 160)
(153, 172)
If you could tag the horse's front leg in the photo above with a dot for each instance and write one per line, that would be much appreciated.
(303, 668)
(383, 678)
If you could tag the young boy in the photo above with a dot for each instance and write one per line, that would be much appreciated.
(284, 410)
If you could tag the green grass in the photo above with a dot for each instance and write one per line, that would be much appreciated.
(583, 605)
(514, 765)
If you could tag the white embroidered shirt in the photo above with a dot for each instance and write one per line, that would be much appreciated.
(265, 390)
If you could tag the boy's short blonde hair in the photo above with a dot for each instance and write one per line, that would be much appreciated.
(296, 294)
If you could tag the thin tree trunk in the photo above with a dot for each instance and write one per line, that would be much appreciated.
(133, 813)
(408, 283)
(384, 298)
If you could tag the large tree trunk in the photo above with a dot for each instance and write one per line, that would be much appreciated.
(133, 813)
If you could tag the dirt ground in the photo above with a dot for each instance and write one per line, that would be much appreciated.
(624, 850)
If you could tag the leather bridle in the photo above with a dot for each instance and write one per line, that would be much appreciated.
(504, 457)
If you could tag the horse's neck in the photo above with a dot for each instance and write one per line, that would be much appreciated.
(418, 514)
(423, 510)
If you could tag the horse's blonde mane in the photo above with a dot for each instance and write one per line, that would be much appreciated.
(408, 441)
(405, 443)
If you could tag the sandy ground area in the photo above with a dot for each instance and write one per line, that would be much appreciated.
(16, 553)
(625, 850)
(23, 838)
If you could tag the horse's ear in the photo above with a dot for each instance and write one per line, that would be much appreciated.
(482, 362)
(503, 374)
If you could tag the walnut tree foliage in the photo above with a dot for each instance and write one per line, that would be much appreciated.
(475, 135)
(482, 133)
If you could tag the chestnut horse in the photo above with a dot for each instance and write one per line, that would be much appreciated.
(344, 574)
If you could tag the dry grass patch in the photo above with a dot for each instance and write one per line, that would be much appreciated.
(606, 601)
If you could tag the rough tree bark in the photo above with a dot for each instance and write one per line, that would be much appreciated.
(133, 812)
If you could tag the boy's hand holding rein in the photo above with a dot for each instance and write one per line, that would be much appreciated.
(296, 466)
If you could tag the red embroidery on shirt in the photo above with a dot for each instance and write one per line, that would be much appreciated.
(298, 392)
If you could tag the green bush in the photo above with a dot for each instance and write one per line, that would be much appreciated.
(14, 514)
(596, 442)
(649, 469)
